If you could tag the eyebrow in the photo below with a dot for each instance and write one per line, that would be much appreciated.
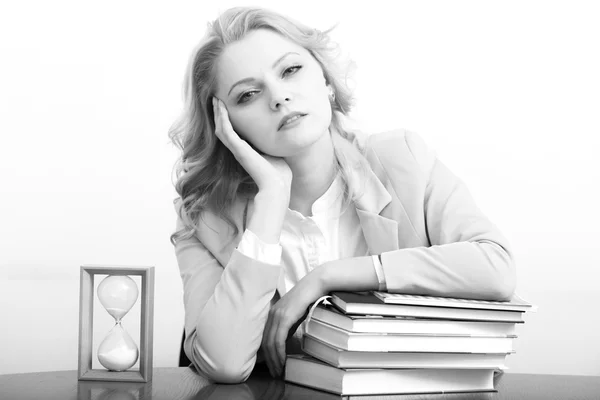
(246, 80)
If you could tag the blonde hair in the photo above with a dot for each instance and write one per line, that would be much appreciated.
(208, 177)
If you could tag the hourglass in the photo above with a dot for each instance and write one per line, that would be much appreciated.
(117, 351)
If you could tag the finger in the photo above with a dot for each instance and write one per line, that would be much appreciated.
(230, 137)
(225, 122)
(217, 119)
(277, 344)
(271, 344)
(270, 366)
(266, 356)
(280, 340)
(265, 344)
(238, 147)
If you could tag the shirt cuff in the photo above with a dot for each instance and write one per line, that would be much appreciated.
(380, 274)
(253, 247)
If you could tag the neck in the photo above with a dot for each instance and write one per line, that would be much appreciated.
(313, 172)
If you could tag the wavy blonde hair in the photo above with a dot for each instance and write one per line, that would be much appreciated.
(208, 177)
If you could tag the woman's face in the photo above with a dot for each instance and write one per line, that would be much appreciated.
(264, 79)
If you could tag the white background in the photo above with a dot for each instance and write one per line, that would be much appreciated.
(507, 93)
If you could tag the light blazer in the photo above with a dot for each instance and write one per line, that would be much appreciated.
(414, 212)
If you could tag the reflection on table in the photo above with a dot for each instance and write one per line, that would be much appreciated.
(187, 384)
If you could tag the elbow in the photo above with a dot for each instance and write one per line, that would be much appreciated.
(226, 374)
(220, 368)
(505, 287)
(503, 279)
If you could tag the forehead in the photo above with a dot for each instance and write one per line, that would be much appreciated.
(255, 53)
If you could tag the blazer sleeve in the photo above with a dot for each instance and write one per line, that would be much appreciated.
(468, 256)
(226, 308)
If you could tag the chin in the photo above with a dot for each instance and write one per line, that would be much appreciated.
(299, 140)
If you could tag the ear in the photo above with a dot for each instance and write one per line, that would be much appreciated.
(330, 93)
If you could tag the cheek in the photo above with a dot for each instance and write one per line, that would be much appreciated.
(249, 126)
(322, 101)
(242, 123)
(320, 96)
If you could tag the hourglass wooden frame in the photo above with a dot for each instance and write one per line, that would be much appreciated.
(86, 313)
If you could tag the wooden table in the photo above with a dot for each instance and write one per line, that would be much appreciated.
(186, 384)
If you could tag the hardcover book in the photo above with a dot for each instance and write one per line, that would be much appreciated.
(366, 303)
(515, 304)
(388, 359)
(307, 371)
(358, 341)
(409, 325)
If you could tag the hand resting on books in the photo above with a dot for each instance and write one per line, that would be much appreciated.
(289, 312)
(285, 317)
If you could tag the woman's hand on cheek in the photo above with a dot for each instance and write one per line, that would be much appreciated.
(285, 317)
(267, 171)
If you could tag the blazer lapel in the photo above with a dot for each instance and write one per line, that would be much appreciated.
(381, 233)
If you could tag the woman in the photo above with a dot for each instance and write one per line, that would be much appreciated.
(280, 203)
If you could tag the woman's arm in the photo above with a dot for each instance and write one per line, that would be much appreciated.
(355, 274)
(226, 308)
(463, 270)
(468, 257)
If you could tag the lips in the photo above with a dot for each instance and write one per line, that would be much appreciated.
(290, 118)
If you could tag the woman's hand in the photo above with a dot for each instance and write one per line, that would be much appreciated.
(285, 317)
(267, 171)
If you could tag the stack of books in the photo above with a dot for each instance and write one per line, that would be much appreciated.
(377, 343)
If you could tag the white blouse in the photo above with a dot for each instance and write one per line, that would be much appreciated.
(308, 242)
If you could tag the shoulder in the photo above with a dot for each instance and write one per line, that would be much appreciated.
(401, 147)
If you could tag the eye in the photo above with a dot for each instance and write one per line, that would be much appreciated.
(246, 96)
(291, 70)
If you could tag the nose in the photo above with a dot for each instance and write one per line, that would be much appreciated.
(279, 97)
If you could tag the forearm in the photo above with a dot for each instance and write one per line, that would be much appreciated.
(480, 270)
(465, 270)
(225, 330)
(350, 275)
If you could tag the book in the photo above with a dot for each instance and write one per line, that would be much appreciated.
(366, 303)
(412, 325)
(384, 359)
(358, 341)
(307, 371)
(515, 304)
(295, 391)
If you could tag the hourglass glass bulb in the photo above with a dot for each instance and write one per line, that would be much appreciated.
(118, 351)
(118, 294)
